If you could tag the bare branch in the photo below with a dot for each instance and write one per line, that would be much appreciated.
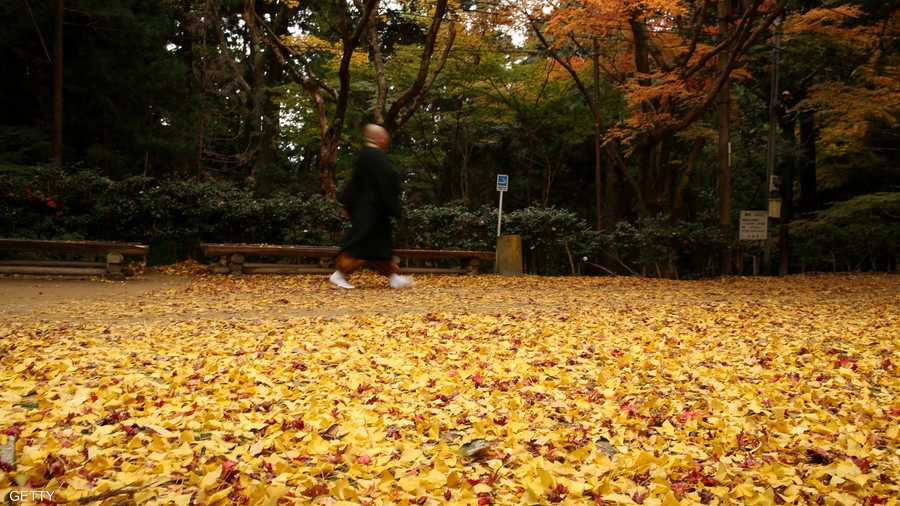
(277, 46)
(378, 60)
(430, 82)
(440, 9)
(744, 41)
(351, 41)
(697, 23)
(743, 27)
(564, 63)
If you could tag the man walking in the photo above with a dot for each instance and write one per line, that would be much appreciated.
(371, 198)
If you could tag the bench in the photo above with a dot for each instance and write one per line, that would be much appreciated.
(112, 253)
(232, 259)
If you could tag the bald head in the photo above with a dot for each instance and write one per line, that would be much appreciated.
(376, 136)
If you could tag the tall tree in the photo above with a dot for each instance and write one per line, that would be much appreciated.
(56, 150)
(663, 56)
(724, 118)
(302, 70)
(395, 115)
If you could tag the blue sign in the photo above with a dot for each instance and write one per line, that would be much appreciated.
(502, 182)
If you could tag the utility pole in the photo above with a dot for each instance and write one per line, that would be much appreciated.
(773, 130)
(56, 134)
(598, 170)
(724, 113)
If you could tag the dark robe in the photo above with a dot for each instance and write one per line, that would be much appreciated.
(372, 198)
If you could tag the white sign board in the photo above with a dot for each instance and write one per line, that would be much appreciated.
(754, 226)
(502, 182)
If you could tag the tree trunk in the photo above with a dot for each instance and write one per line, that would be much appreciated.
(378, 61)
(327, 163)
(724, 116)
(613, 196)
(56, 142)
(808, 175)
(787, 191)
(684, 181)
(598, 170)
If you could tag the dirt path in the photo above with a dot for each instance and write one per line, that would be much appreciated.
(167, 297)
(33, 295)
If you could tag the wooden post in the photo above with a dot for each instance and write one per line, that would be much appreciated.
(222, 266)
(114, 266)
(509, 255)
(756, 265)
(236, 263)
(472, 265)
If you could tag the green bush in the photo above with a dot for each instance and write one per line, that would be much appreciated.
(174, 216)
(445, 227)
(860, 233)
(549, 235)
(554, 239)
(656, 246)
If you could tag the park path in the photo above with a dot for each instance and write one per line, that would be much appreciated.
(158, 296)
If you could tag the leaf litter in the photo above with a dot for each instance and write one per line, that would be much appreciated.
(475, 390)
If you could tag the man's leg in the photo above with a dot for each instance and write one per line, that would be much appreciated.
(390, 269)
(345, 265)
(385, 267)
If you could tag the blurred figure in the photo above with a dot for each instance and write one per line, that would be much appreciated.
(370, 199)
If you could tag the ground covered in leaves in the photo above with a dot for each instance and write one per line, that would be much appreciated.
(462, 390)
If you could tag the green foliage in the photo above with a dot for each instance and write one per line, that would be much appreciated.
(657, 246)
(863, 232)
(173, 216)
(551, 238)
(446, 227)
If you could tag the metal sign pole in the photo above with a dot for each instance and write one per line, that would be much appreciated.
(500, 214)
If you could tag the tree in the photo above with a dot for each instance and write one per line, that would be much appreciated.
(395, 116)
(670, 75)
(56, 152)
(306, 71)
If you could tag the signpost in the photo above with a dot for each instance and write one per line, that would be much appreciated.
(754, 226)
(502, 187)
(508, 255)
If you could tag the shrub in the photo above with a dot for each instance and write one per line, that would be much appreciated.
(553, 239)
(863, 232)
(656, 246)
(445, 227)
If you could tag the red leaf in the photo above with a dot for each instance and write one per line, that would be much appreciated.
(15, 430)
(364, 460)
(229, 471)
(862, 463)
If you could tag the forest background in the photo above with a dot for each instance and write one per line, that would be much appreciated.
(633, 131)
